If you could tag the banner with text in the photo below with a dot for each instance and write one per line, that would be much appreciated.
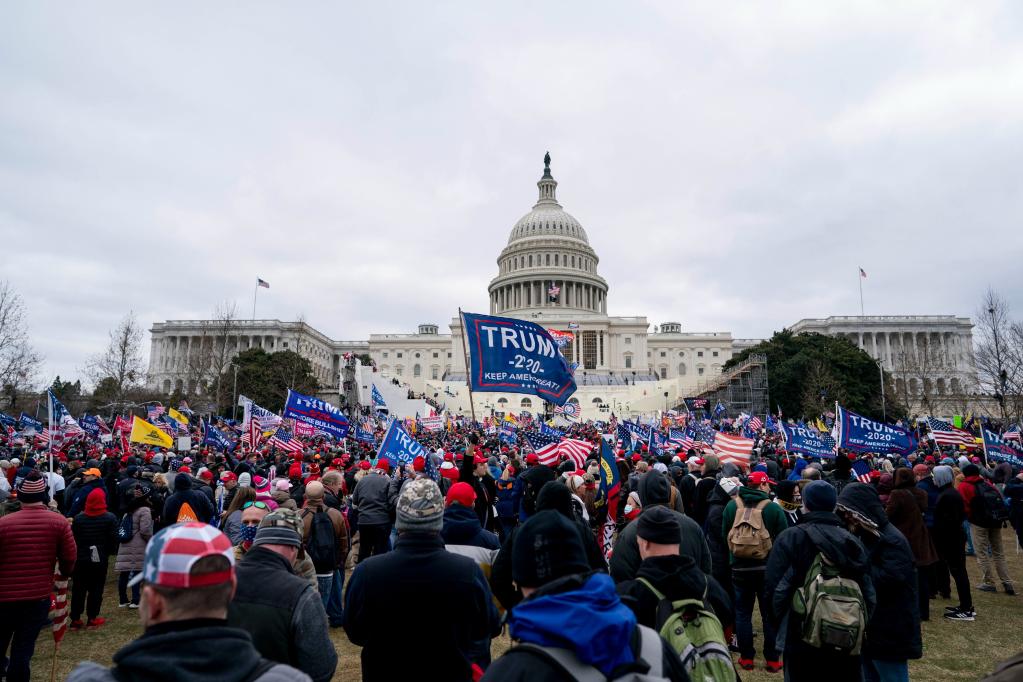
(809, 442)
(1001, 450)
(317, 413)
(398, 447)
(860, 434)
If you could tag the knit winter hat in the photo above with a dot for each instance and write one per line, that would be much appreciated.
(943, 475)
(96, 503)
(659, 526)
(280, 527)
(819, 496)
(33, 489)
(245, 480)
(548, 546)
(420, 507)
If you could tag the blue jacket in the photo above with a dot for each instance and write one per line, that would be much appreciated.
(462, 527)
(927, 485)
(509, 497)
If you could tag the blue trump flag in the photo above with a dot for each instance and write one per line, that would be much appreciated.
(515, 356)
(507, 435)
(363, 435)
(7, 420)
(377, 398)
(551, 431)
(318, 413)
(398, 447)
(215, 437)
(860, 434)
(808, 442)
(89, 425)
(28, 424)
(999, 449)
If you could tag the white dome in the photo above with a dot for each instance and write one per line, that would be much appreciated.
(547, 220)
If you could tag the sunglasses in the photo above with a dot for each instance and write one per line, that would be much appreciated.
(257, 505)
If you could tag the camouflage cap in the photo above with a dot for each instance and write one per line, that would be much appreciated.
(420, 507)
(280, 527)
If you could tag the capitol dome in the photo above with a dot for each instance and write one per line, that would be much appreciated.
(548, 264)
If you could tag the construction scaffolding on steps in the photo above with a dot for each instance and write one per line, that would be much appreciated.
(742, 388)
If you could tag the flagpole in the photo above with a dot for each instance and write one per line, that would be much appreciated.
(256, 292)
(860, 279)
(465, 354)
(983, 444)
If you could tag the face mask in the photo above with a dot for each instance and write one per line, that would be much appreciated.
(248, 534)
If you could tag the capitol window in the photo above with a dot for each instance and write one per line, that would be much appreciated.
(436, 354)
(548, 259)
(530, 261)
(434, 372)
(417, 370)
(385, 354)
(526, 402)
(715, 353)
(681, 369)
(628, 362)
(663, 354)
(664, 372)
(699, 370)
(699, 354)
(628, 340)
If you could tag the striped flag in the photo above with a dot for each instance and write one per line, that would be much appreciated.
(262, 283)
(735, 449)
(283, 440)
(861, 468)
(550, 450)
(1011, 433)
(946, 434)
(59, 607)
(570, 410)
(754, 423)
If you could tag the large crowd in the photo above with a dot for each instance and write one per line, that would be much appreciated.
(236, 560)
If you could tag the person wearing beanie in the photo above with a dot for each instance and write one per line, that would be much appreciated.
(665, 571)
(820, 531)
(287, 622)
(567, 607)
(841, 475)
(986, 534)
(280, 492)
(893, 630)
(95, 531)
(710, 472)
(373, 500)
(32, 540)
(509, 500)
(186, 504)
(326, 540)
(419, 577)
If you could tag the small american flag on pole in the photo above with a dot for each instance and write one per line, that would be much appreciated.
(262, 283)
(863, 273)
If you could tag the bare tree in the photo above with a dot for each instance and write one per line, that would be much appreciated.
(820, 390)
(120, 367)
(920, 370)
(225, 319)
(999, 353)
(18, 360)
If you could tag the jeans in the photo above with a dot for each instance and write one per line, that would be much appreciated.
(969, 538)
(885, 671)
(373, 539)
(20, 623)
(122, 587)
(323, 583)
(87, 583)
(749, 586)
(988, 542)
(334, 603)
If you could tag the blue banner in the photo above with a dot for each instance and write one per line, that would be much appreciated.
(26, 423)
(859, 434)
(215, 437)
(398, 447)
(377, 398)
(610, 476)
(89, 425)
(1001, 450)
(507, 435)
(809, 442)
(320, 414)
(363, 435)
(7, 420)
(551, 431)
(514, 356)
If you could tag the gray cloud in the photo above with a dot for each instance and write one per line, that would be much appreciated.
(733, 165)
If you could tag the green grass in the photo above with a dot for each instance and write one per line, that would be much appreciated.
(952, 651)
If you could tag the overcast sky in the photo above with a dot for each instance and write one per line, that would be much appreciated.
(733, 167)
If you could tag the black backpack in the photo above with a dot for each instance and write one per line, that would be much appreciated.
(321, 545)
(125, 532)
(987, 508)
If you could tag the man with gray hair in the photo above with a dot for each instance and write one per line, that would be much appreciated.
(419, 578)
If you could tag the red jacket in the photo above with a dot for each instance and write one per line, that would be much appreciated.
(968, 488)
(32, 541)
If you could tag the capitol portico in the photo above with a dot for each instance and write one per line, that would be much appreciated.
(548, 273)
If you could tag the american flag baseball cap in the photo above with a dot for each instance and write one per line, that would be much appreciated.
(173, 551)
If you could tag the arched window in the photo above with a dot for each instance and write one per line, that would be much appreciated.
(548, 259)
(166, 386)
(681, 369)
(530, 260)
(628, 361)
(555, 259)
(956, 388)
(417, 370)
(597, 401)
(941, 387)
(912, 387)
(526, 402)
(664, 372)
(502, 402)
(574, 400)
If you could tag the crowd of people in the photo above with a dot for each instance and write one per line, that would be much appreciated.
(236, 561)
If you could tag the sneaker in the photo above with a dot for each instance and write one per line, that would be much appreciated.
(987, 588)
(133, 606)
(95, 623)
(773, 666)
(1008, 589)
(76, 625)
(122, 605)
(950, 609)
(962, 615)
(746, 663)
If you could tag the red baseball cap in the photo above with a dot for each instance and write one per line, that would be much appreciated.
(462, 493)
(479, 459)
(383, 464)
(636, 457)
(532, 458)
(759, 478)
(228, 476)
(365, 465)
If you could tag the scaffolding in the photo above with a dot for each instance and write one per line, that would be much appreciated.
(743, 388)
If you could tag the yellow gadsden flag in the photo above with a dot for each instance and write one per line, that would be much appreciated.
(144, 432)
(177, 416)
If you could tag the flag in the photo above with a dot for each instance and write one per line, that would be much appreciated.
(1012, 433)
(549, 449)
(283, 440)
(154, 411)
(215, 437)
(754, 423)
(735, 449)
(62, 424)
(148, 434)
(377, 398)
(610, 488)
(181, 419)
(398, 447)
(302, 429)
(861, 468)
(29, 425)
(999, 449)
(719, 409)
(507, 435)
(946, 434)
(552, 293)
(861, 434)
(551, 431)
(59, 612)
(262, 283)
(7, 420)
(863, 273)
(121, 424)
(570, 410)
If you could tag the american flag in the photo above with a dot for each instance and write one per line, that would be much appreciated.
(624, 434)
(262, 283)
(946, 434)
(550, 449)
(735, 449)
(754, 423)
(154, 411)
(569, 410)
(283, 440)
(554, 291)
(1011, 433)
(861, 468)
(59, 607)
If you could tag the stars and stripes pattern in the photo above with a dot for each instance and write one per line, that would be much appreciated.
(59, 612)
(946, 434)
(861, 468)
(550, 449)
(283, 440)
(154, 411)
(1012, 433)
(569, 410)
(754, 423)
(735, 449)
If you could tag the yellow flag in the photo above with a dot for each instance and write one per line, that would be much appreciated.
(509, 418)
(820, 426)
(177, 416)
(144, 432)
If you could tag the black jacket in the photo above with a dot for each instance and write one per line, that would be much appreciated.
(81, 492)
(99, 531)
(893, 632)
(949, 515)
(183, 492)
(1014, 494)
(418, 577)
(701, 496)
(716, 503)
(676, 577)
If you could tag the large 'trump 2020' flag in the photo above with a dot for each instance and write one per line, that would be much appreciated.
(322, 415)
(859, 434)
(515, 356)
(809, 442)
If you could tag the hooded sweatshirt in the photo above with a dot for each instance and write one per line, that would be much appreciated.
(184, 493)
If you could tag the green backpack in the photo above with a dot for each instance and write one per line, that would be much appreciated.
(695, 633)
(833, 610)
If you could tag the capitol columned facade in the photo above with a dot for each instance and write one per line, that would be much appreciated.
(548, 273)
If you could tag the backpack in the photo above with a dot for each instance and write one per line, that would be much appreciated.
(832, 607)
(987, 508)
(125, 532)
(186, 514)
(749, 538)
(571, 668)
(696, 635)
(321, 545)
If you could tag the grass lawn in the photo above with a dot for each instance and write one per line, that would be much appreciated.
(952, 651)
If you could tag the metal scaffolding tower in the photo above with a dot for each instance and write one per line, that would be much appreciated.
(743, 388)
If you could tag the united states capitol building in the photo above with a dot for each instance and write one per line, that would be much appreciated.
(548, 273)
